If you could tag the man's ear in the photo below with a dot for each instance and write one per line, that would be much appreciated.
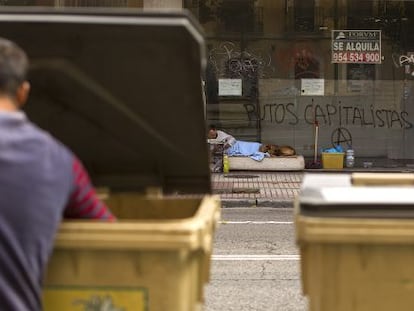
(22, 93)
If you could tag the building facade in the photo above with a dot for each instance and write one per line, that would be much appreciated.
(279, 68)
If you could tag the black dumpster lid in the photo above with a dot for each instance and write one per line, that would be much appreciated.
(334, 195)
(122, 89)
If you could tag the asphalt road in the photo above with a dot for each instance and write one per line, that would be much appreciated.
(255, 263)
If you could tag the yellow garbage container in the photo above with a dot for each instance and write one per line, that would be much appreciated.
(356, 239)
(156, 257)
(123, 89)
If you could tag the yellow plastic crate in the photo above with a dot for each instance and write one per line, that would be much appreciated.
(156, 257)
(333, 160)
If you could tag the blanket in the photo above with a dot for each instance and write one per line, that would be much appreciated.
(247, 149)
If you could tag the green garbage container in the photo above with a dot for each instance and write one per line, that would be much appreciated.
(356, 239)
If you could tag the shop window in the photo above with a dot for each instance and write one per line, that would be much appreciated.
(359, 76)
(206, 10)
(232, 16)
(304, 15)
(408, 25)
(306, 65)
(361, 72)
(91, 3)
(391, 18)
(240, 16)
(247, 69)
(17, 3)
(360, 14)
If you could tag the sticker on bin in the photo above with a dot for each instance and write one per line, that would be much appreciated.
(79, 298)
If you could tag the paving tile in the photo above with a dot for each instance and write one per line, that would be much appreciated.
(273, 188)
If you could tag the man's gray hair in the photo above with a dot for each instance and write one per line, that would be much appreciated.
(13, 67)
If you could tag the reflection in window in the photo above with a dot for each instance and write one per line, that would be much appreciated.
(361, 72)
(237, 16)
(304, 15)
(233, 16)
(360, 14)
(306, 65)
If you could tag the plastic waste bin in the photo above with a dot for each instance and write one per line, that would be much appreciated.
(333, 160)
(356, 239)
(156, 257)
(123, 90)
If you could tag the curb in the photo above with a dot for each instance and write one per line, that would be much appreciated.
(274, 203)
(229, 203)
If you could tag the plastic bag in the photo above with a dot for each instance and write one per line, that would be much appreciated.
(337, 148)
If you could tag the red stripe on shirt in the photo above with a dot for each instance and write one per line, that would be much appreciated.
(84, 205)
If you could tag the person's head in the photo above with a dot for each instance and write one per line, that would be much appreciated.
(13, 70)
(212, 133)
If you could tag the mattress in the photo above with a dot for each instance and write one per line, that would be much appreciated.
(288, 163)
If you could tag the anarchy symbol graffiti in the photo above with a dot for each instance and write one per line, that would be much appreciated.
(341, 136)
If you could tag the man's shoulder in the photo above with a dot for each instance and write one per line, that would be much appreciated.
(222, 134)
(48, 138)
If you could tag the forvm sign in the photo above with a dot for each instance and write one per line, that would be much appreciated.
(356, 46)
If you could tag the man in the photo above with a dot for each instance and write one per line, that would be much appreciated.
(40, 181)
(216, 136)
(219, 142)
(255, 150)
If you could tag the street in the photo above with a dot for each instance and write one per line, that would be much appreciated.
(255, 263)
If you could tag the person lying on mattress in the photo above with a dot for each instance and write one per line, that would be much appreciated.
(254, 150)
(216, 136)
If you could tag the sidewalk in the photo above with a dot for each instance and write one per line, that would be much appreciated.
(257, 189)
(271, 189)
